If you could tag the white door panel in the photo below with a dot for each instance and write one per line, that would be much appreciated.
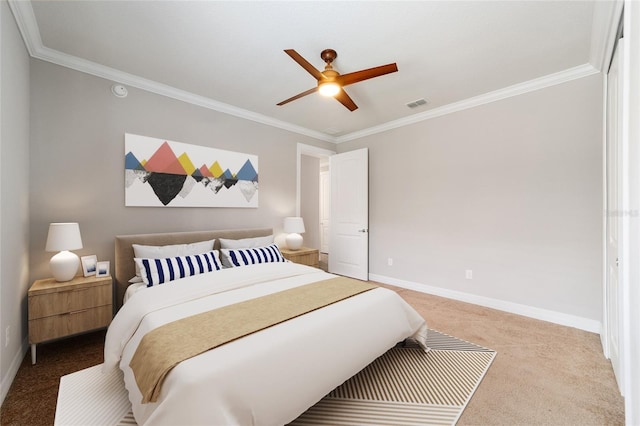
(614, 207)
(349, 232)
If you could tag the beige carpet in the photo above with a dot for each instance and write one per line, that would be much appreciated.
(405, 386)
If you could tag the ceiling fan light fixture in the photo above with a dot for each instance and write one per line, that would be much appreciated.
(329, 88)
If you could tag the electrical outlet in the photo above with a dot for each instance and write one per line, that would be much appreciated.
(7, 334)
(390, 261)
(468, 274)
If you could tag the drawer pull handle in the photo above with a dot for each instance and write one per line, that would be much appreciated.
(77, 312)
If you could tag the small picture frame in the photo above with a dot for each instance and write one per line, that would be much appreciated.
(102, 269)
(89, 265)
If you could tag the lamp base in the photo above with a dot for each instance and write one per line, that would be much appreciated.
(64, 266)
(294, 241)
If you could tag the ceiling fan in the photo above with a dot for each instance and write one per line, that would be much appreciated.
(330, 82)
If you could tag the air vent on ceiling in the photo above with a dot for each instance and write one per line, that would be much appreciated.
(332, 131)
(417, 103)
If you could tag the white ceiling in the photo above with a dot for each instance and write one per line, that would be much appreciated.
(228, 55)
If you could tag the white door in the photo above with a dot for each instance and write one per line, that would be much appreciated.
(325, 210)
(349, 233)
(612, 292)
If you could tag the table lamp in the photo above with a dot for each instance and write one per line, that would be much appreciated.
(293, 226)
(62, 238)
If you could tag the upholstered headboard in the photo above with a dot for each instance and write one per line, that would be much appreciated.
(125, 266)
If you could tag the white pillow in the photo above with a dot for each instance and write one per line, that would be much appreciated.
(246, 242)
(240, 244)
(174, 250)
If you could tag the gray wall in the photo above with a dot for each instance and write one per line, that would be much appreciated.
(310, 199)
(511, 190)
(14, 201)
(77, 161)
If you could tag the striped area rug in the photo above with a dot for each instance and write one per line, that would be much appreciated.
(405, 386)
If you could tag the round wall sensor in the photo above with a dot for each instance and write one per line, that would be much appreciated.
(119, 90)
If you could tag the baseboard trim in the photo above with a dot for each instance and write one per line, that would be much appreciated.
(7, 380)
(555, 317)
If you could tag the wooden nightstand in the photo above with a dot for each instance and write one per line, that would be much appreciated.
(64, 309)
(304, 256)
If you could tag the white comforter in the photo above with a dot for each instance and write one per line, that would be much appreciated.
(269, 377)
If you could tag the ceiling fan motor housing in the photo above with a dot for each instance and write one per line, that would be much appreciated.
(328, 55)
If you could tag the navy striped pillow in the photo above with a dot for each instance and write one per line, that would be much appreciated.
(251, 256)
(158, 271)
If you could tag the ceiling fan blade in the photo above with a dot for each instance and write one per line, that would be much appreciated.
(305, 64)
(354, 77)
(345, 100)
(298, 96)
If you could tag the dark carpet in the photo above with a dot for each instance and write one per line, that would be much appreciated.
(32, 398)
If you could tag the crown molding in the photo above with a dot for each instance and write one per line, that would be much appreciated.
(25, 18)
(497, 95)
(604, 31)
(27, 24)
(23, 13)
(131, 80)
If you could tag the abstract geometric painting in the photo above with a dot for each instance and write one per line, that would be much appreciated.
(173, 174)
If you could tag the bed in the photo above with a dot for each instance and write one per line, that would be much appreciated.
(266, 377)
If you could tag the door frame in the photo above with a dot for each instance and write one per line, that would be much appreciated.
(613, 35)
(630, 270)
(310, 150)
(325, 180)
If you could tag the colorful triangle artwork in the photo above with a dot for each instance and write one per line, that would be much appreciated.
(175, 180)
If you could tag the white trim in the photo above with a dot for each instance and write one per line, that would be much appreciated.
(25, 18)
(313, 151)
(121, 77)
(27, 24)
(606, 17)
(497, 95)
(604, 336)
(560, 318)
(7, 380)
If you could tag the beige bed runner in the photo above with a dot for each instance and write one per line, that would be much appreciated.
(164, 347)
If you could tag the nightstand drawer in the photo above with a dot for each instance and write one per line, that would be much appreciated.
(65, 324)
(69, 301)
(310, 259)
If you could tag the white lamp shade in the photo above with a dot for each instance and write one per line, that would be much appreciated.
(63, 236)
(293, 225)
